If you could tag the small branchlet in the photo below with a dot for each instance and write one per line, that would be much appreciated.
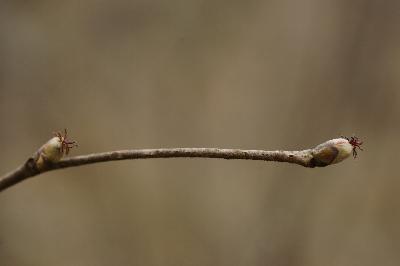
(49, 156)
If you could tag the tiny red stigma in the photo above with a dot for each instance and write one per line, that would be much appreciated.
(356, 143)
(66, 144)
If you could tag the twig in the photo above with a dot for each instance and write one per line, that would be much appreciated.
(330, 152)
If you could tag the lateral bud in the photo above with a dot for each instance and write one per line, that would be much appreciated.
(53, 150)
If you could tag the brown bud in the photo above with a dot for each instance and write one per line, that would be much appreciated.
(331, 152)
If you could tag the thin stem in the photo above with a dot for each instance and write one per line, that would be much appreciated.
(47, 159)
(28, 169)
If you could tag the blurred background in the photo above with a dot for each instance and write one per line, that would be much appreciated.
(275, 74)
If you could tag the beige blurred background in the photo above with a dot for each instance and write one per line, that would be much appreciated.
(273, 74)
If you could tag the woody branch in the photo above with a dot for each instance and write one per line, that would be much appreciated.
(49, 156)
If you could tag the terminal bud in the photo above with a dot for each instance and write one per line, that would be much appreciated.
(335, 150)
